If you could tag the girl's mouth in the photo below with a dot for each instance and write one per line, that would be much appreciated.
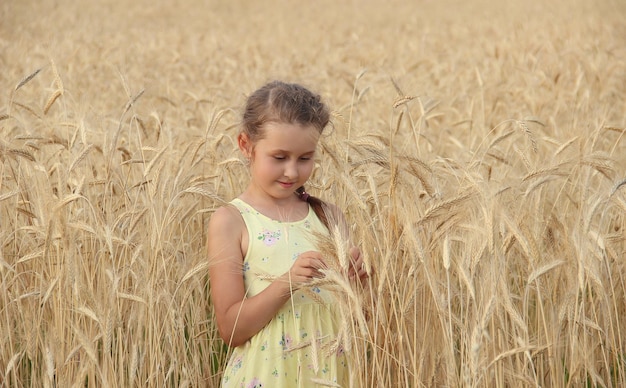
(287, 185)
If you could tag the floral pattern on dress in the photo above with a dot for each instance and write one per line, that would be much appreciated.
(285, 342)
(269, 237)
(237, 363)
(254, 383)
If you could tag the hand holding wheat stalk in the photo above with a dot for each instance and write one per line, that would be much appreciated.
(345, 276)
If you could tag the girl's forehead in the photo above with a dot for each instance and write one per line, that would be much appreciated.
(287, 136)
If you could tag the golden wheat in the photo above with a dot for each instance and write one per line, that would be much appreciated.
(483, 184)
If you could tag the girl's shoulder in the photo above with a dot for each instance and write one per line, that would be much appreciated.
(226, 218)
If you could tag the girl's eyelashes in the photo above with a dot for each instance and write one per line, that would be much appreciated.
(303, 158)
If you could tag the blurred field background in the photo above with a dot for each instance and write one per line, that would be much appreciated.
(478, 149)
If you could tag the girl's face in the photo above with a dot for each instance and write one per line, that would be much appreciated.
(282, 160)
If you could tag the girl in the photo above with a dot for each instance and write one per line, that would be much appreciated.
(262, 252)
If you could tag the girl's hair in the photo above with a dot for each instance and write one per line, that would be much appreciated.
(282, 102)
(288, 103)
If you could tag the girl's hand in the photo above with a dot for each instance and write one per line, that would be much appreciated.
(357, 266)
(308, 266)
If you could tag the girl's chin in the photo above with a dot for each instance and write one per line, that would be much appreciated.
(283, 194)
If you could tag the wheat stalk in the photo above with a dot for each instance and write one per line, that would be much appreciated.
(438, 209)
(80, 157)
(403, 100)
(617, 186)
(51, 100)
(565, 145)
(26, 79)
(543, 269)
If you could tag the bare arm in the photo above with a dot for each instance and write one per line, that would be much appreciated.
(238, 317)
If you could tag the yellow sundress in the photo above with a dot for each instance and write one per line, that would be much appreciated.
(298, 347)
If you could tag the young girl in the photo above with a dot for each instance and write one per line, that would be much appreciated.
(263, 257)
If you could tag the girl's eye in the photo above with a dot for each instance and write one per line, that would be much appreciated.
(279, 157)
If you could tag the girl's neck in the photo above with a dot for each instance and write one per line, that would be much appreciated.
(286, 210)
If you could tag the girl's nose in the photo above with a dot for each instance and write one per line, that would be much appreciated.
(291, 170)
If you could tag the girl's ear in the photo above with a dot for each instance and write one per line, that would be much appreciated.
(245, 145)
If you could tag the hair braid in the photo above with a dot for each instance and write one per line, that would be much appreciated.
(317, 204)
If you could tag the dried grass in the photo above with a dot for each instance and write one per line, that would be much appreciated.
(495, 251)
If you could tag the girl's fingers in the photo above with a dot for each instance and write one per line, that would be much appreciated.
(312, 259)
(363, 271)
(358, 269)
(355, 252)
(318, 263)
(309, 266)
(312, 272)
(356, 261)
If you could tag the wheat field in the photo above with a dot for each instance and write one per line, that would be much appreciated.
(477, 148)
